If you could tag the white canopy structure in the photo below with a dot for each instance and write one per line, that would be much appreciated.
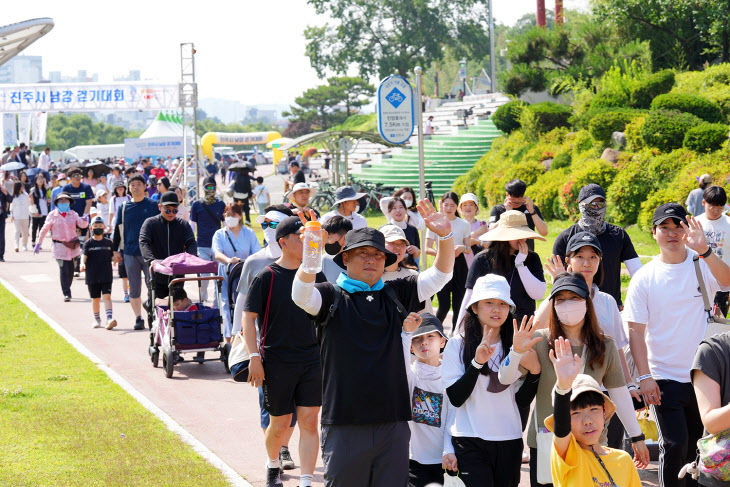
(164, 126)
(16, 37)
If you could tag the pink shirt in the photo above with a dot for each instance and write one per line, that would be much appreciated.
(475, 225)
(63, 229)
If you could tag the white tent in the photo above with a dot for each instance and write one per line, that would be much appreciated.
(164, 126)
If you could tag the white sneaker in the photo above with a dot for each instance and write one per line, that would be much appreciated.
(111, 324)
(97, 324)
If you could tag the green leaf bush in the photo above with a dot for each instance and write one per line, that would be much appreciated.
(665, 130)
(549, 116)
(706, 137)
(507, 117)
(698, 106)
(642, 94)
(603, 125)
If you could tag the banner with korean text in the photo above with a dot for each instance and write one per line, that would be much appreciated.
(88, 97)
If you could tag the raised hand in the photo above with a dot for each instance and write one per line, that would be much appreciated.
(435, 221)
(412, 322)
(523, 341)
(530, 205)
(485, 350)
(554, 266)
(567, 366)
(694, 235)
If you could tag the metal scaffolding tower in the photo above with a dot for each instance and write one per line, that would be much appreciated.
(189, 104)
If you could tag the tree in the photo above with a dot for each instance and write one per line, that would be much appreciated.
(66, 131)
(383, 37)
(318, 107)
(582, 50)
(354, 92)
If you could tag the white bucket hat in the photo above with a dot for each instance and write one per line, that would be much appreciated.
(491, 286)
(300, 186)
(469, 197)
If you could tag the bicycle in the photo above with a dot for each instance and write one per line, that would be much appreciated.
(324, 199)
(373, 194)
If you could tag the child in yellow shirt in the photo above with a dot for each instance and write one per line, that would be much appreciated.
(580, 411)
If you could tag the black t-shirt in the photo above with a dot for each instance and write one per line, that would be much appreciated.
(363, 369)
(497, 211)
(524, 304)
(414, 239)
(299, 177)
(288, 336)
(712, 359)
(98, 260)
(616, 246)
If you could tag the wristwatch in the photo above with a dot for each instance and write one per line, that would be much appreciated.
(635, 439)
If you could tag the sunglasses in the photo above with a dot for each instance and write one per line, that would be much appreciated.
(173, 211)
(271, 225)
(209, 187)
(596, 205)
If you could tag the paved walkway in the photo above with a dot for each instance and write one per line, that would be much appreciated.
(203, 399)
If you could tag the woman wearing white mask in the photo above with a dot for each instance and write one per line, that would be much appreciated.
(409, 198)
(572, 316)
(231, 245)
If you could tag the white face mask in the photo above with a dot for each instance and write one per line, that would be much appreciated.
(232, 221)
(408, 203)
(571, 312)
(272, 250)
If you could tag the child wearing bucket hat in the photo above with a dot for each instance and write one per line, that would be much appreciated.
(487, 430)
(572, 316)
(580, 410)
(469, 208)
(431, 448)
(507, 255)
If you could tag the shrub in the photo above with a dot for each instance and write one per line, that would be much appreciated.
(713, 83)
(583, 121)
(698, 106)
(642, 94)
(580, 142)
(561, 160)
(604, 125)
(665, 130)
(545, 192)
(632, 132)
(528, 171)
(507, 117)
(548, 116)
(597, 171)
(706, 137)
(666, 195)
(609, 99)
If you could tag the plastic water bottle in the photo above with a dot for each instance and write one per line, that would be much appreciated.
(313, 247)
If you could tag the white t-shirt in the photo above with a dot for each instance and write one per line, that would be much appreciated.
(358, 221)
(261, 192)
(486, 415)
(44, 161)
(667, 299)
(460, 228)
(717, 233)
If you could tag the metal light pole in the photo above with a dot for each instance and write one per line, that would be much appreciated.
(421, 168)
(491, 49)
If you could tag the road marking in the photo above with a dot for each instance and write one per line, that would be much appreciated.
(234, 478)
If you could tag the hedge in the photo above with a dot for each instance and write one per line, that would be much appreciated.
(706, 137)
(643, 93)
(665, 130)
(598, 171)
(604, 125)
(698, 106)
(507, 117)
(561, 160)
(549, 115)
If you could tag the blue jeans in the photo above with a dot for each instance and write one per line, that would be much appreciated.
(207, 254)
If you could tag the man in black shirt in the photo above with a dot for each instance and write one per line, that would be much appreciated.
(516, 200)
(297, 176)
(365, 402)
(288, 359)
(614, 240)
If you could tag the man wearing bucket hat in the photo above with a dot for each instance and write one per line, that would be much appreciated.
(667, 322)
(66, 246)
(516, 200)
(365, 407)
(299, 198)
(507, 255)
(615, 242)
(346, 202)
(580, 410)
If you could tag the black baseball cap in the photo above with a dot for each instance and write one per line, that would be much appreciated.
(591, 191)
(365, 237)
(169, 198)
(289, 225)
(570, 282)
(669, 210)
(210, 180)
(581, 239)
(429, 324)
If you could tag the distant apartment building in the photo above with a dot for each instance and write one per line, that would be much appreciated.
(22, 70)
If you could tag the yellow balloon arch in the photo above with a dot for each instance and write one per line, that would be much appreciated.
(249, 138)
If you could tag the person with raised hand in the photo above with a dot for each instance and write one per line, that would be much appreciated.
(488, 445)
(667, 322)
(580, 410)
(365, 406)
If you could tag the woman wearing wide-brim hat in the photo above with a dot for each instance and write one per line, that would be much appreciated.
(506, 254)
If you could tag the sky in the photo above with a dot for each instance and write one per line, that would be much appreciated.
(248, 51)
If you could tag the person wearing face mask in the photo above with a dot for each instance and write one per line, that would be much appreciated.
(398, 216)
(96, 262)
(207, 214)
(231, 245)
(336, 228)
(572, 316)
(409, 199)
(66, 246)
(614, 240)
(346, 206)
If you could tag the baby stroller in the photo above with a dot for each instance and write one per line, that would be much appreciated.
(177, 332)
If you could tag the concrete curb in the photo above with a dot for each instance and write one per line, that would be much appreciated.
(234, 478)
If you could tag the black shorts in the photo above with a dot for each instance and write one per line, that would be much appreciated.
(287, 386)
(121, 268)
(96, 290)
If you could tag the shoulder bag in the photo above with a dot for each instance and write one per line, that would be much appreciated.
(715, 324)
(714, 450)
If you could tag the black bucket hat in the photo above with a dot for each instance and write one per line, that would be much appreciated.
(570, 282)
(430, 324)
(365, 237)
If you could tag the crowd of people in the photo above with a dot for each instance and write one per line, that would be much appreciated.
(393, 390)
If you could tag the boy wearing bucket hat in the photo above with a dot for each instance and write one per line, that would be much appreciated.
(615, 242)
(365, 407)
(580, 411)
(346, 202)
(507, 255)
(431, 448)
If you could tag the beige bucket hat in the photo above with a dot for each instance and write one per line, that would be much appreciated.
(584, 383)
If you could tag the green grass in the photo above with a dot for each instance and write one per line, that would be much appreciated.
(63, 422)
